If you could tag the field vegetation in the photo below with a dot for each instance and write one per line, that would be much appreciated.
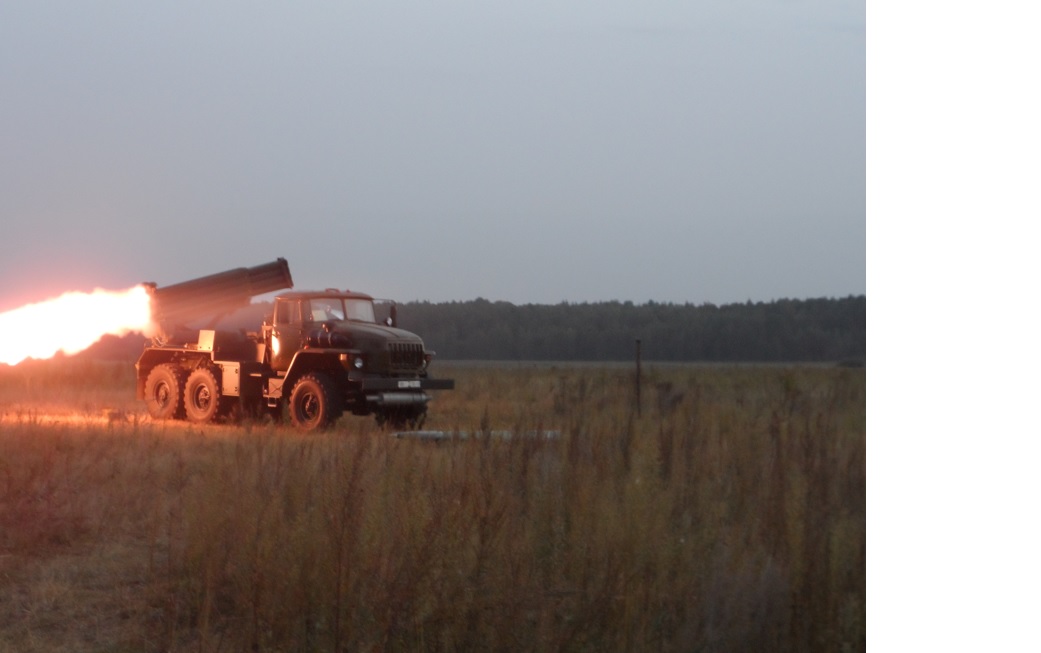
(727, 514)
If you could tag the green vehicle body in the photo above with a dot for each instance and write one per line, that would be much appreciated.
(319, 355)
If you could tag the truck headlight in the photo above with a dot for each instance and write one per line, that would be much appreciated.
(352, 360)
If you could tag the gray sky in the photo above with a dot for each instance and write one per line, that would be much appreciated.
(524, 151)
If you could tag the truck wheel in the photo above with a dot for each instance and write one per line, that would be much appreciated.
(164, 392)
(314, 402)
(201, 396)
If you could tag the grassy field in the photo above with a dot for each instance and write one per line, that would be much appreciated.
(729, 515)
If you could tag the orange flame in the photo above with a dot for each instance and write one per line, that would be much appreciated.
(71, 323)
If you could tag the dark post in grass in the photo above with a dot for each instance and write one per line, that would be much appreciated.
(638, 377)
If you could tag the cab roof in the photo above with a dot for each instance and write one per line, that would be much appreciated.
(328, 292)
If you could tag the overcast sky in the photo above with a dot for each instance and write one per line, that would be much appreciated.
(528, 151)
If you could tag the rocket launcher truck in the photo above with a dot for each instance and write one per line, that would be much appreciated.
(320, 354)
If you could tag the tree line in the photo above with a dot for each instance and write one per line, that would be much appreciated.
(787, 330)
(812, 330)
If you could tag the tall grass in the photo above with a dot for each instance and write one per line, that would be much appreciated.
(728, 515)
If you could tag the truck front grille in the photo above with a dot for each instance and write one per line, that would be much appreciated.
(405, 355)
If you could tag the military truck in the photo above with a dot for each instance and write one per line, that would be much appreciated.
(318, 355)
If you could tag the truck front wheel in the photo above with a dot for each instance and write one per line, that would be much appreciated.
(164, 392)
(201, 396)
(314, 403)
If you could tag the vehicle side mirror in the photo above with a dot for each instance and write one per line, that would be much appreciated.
(393, 319)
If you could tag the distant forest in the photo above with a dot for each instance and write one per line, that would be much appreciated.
(812, 330)
(787, 330)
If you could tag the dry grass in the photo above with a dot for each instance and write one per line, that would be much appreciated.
(728, 516)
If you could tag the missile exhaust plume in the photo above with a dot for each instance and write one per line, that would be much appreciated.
(72, 322)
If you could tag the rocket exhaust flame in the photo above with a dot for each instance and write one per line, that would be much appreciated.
(72, 322)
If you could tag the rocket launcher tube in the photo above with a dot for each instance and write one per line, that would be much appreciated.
(215, 295)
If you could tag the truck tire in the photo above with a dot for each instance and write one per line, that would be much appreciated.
(202, 396)
(164, 392)
(314, 403)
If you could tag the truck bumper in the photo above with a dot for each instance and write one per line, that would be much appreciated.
(402, 392)
(405, 385)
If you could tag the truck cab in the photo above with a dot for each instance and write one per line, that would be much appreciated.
(372, 366)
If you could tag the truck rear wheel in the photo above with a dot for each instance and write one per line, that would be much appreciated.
(164, 392)
(202, 396)
(314, 403)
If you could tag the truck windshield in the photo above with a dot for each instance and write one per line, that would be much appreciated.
(335, 308)
(360, 310)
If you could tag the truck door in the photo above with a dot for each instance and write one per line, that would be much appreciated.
(287, 333)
